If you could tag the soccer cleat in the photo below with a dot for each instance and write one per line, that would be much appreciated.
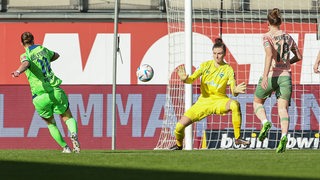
(242, 141)
(282, 145)
(75, 143)
(66, 149)
(175, 147)
(263, 133)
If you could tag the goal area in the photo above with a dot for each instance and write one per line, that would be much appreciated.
(241, 24)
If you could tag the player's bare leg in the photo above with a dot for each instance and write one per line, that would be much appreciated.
(261, 114)
(284, 121)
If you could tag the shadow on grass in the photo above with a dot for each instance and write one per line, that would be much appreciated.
(12, 170)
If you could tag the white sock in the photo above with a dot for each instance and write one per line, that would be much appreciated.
(285, 134)
(264, 121)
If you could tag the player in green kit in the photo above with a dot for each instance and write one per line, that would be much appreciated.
(48, 98)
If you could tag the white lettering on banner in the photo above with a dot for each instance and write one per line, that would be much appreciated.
(304, 142)
(8, 132)
(228, 142)
(293, 142)
(98, 69)
(134, 103)
(37, 123)
(99, 105)
(154, 119)
(95, 104)
(256, 143)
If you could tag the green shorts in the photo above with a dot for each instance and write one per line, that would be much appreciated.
(54, 102)
(282, 86)
(206, 106)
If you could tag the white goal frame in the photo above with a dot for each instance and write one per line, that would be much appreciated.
(251, 21)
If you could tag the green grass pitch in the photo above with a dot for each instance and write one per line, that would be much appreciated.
(157, 164)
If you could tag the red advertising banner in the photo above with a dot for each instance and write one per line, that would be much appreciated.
(75, 42)
(140, 111)
(86, 50)
(85, 66)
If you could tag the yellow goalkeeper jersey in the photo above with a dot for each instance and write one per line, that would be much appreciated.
(214, 80)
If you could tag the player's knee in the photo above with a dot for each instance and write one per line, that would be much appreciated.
(283, 112)
(258, 108)
(235, 106)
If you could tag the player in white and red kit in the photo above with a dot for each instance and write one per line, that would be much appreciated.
(276, 76)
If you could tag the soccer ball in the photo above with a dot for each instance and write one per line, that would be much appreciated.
(145, 73)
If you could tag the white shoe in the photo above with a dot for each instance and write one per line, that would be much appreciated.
(66, 149)
(75, 143)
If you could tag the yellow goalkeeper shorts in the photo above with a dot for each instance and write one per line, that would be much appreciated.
(206, 106)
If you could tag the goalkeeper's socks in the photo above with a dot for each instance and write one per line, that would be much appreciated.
(72, 125)
(179, 133)
(56, 135)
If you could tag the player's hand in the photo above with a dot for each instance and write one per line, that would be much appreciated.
(264, 83)
(182, 73)
(240, 89)
(316, 68)
(15, 74)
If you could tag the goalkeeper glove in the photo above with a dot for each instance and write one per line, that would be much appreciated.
(182, 73)
(241, 88)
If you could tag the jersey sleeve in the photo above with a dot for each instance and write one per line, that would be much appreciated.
(294, 46)
(24, 57)
(266, 41)
(232, 80)
(50, 53)
(194, 75)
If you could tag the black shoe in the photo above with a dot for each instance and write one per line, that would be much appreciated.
(175, 147)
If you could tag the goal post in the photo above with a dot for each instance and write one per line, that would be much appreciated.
(241, 24)
(188, 66)
(318, 28)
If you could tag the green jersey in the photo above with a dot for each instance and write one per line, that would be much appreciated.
(40, 75)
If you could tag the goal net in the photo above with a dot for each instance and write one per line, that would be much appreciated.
(241, 24)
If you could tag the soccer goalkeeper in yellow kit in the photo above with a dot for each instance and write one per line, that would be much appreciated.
(215, 76)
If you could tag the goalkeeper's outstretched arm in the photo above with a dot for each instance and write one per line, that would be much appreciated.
(184, 77)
